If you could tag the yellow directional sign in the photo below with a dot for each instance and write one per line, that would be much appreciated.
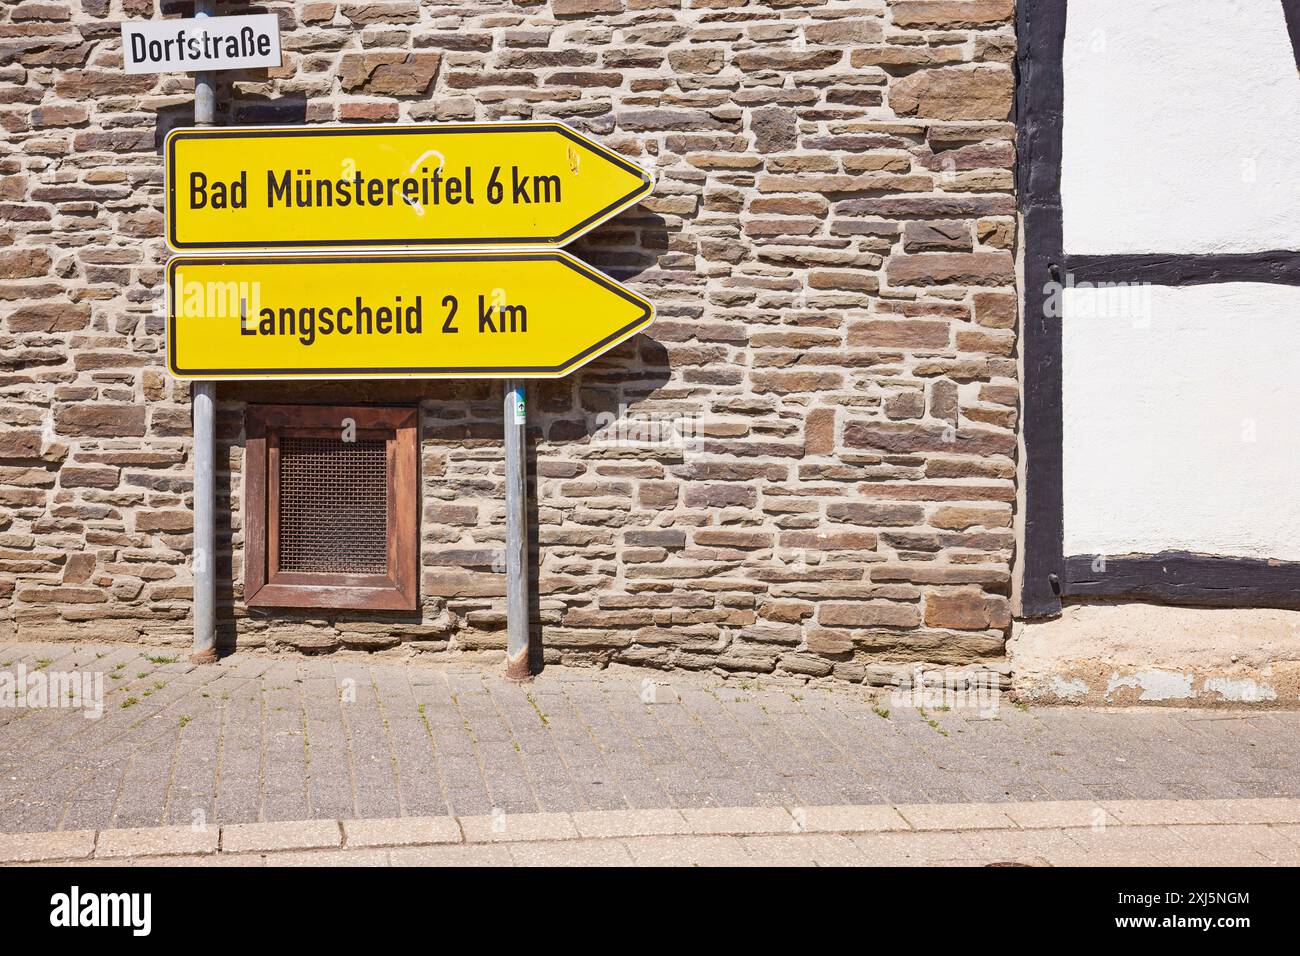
(463, 184)
(434, 315)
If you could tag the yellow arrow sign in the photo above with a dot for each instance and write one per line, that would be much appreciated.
(437, 315)
(465, 184)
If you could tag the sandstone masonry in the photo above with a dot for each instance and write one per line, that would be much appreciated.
(829, 247)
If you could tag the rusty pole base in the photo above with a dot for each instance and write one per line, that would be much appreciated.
(204, 657)
(517, 669)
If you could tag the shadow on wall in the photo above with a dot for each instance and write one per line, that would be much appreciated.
(249, 110)
(562, 412)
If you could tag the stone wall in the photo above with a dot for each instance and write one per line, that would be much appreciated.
(829, 247)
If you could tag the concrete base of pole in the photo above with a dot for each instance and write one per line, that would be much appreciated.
(518, 670)
(204, 657)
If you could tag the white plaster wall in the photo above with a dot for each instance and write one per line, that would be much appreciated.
(1181, 128)
(1181, 413)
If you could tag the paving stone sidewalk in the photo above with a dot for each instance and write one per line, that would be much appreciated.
(261, 738)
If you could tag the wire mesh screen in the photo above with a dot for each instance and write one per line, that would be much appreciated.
(333, 506)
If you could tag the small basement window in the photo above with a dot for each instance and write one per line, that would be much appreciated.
(331, 507)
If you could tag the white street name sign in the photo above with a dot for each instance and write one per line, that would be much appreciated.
(203, 43)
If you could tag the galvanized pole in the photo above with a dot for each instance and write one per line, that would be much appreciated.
(203, 407)
(517, 664)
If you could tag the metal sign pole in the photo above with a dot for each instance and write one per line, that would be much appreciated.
(203, 407)
(517, 663)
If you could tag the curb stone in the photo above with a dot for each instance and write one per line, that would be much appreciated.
(425, 837)
(295, 835)
(36, 847)
(157, 841)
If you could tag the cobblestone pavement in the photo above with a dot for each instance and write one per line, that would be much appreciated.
(260, 738)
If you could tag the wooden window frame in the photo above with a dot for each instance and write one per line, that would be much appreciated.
(267, 586)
